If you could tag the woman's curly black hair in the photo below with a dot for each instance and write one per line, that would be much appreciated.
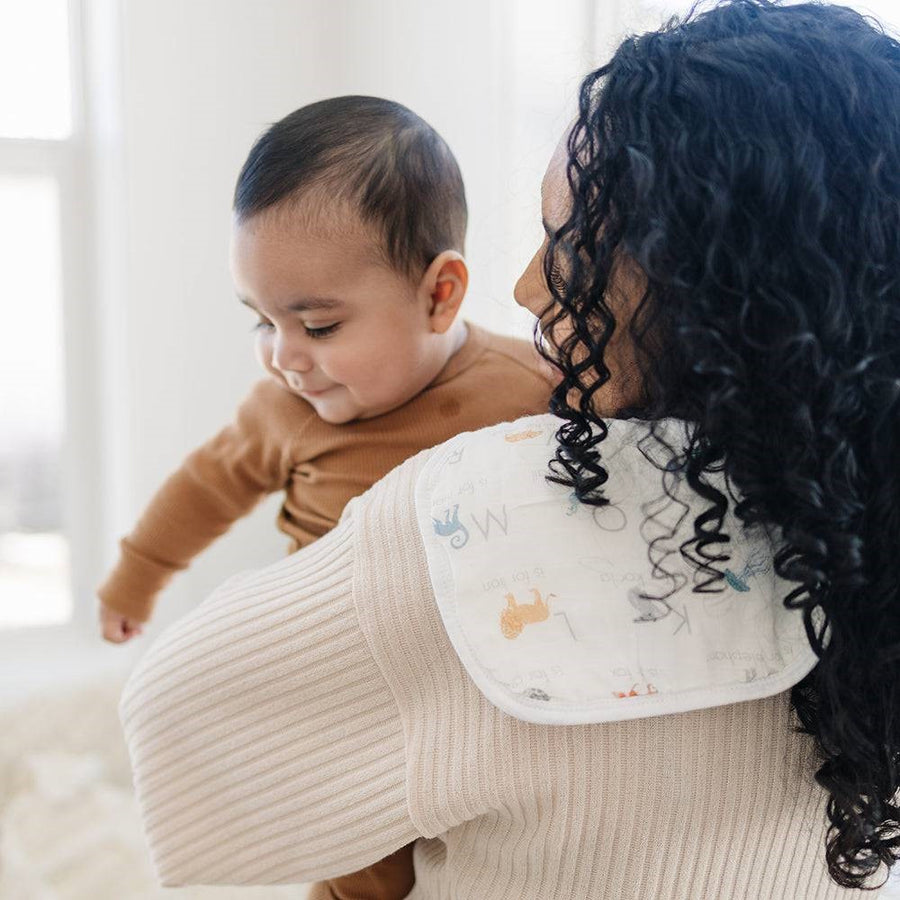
(747, 159)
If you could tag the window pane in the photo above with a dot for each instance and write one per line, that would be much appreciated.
(35, 100)
(34, 578)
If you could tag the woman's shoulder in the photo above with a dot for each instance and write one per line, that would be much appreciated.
(534, 438)
(534, 585)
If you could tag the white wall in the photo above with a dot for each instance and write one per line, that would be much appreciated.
(175, 93)
(198, 82)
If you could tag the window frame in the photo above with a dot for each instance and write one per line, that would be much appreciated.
(66, 162)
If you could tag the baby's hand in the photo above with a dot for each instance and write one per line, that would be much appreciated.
(116, 627)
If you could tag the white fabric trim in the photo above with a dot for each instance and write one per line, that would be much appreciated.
(554, 607)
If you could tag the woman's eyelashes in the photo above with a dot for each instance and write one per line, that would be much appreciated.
(556, 278)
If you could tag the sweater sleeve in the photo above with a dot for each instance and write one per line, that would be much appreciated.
(266, 744)
(217, 484)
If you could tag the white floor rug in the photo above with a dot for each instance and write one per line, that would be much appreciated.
(69, 827)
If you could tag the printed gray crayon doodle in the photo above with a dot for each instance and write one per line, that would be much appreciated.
(537, 694)
(650, 609)
(451, 527)
(609, 517)
(489, 517)
(654, 609)
(568, 624)
(683, 619)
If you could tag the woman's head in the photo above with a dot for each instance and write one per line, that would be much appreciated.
(748, 162)
(622, 389)
(729, 239)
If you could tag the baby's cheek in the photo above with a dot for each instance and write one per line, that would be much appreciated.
(263, 348)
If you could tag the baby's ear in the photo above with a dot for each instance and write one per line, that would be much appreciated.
(444, 285)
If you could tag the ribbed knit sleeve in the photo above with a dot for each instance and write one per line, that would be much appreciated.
(265, 743)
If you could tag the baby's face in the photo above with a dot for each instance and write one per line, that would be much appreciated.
(335, 324)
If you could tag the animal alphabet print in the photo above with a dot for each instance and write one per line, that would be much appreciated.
(516, 616)
(451, 527)
(515, 437)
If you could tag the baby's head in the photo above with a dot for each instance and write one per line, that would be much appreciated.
(349, 223)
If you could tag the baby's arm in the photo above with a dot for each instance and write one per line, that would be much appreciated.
(217, 484)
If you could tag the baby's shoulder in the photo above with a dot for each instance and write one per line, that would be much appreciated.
(515, 371)
(272, 407)
(515, 350)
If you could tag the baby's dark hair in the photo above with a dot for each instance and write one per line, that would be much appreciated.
(378, 156)
(747, 159)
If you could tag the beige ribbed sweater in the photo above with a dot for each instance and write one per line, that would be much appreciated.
(310, 718)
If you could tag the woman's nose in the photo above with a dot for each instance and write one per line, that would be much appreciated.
(287, 356)
(530, 290)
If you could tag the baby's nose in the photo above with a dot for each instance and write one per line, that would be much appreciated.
(287, 356)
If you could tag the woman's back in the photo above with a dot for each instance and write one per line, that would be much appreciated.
(323, 718)
(713, 804)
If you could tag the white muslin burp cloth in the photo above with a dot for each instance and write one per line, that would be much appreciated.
(564, 613)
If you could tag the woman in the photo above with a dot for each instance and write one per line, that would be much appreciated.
(670, 670)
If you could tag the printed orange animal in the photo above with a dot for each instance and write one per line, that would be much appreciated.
(516, 436)
(516, 616)
(634, 692)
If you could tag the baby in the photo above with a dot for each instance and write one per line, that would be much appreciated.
(349, 223)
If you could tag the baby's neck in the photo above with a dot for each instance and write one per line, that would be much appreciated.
(457, 337)
(444, 348)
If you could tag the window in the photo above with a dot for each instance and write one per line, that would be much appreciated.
(38, 160)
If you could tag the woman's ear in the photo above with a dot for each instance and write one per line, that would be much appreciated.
(444, 286)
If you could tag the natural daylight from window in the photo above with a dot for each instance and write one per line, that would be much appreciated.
(34, 55)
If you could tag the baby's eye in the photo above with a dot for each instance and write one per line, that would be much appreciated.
(263, 325)
(324, 331)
